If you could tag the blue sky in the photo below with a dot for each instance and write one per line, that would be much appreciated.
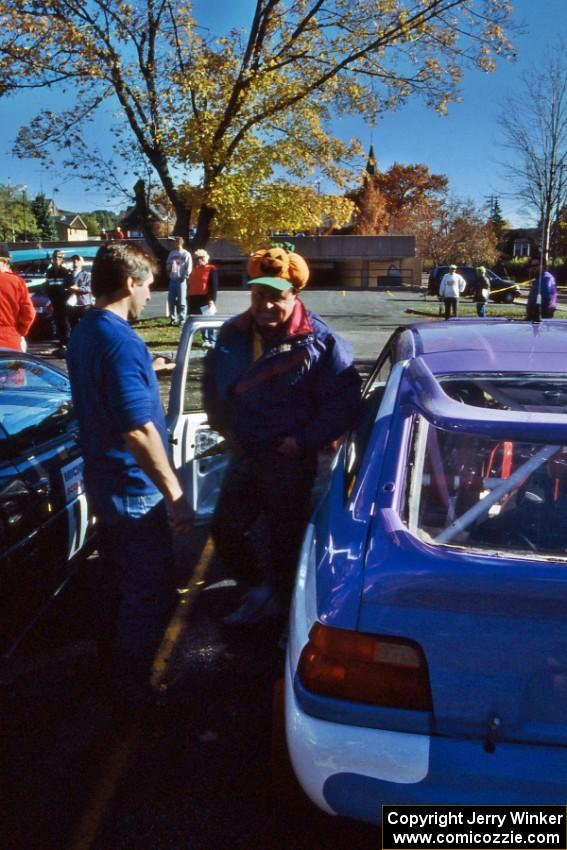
(464, 145)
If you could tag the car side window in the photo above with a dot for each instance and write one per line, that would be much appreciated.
(358, 437)
(193, 398)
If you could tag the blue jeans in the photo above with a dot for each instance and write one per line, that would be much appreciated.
(135, 584)
(177, 299)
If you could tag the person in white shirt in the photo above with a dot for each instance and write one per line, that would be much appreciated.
(451, 287)
(179, 265)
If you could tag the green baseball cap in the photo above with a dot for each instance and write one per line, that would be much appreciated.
(275, 283)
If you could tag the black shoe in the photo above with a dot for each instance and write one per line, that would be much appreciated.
(260, 604)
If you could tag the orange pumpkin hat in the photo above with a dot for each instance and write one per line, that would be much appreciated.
(277, 262)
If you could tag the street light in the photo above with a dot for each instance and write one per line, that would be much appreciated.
(25, 203)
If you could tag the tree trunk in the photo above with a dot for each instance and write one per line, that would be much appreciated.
(181, 227)
(203, 233)
(144, 217)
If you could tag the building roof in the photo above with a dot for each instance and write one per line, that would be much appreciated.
(131, 218)
(72, 220)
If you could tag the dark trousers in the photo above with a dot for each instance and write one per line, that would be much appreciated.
(261, 517)
(75, 314)
(135, 588)
(451, 305)
(58, 296)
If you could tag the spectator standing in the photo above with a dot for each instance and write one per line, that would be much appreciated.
(203, 289)
(133, 488)
(450, 289)
(81, 289)
(542, 297)
(481, 291)
(179, 265)
(280, 385)
(119, 234)
(59, 280)
(16, 309)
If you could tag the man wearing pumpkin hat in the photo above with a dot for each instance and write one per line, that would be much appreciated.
(280, 385)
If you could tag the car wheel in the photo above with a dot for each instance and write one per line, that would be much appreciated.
(508, 297)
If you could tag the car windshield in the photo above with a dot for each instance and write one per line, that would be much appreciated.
(32, 398)
(500, 496)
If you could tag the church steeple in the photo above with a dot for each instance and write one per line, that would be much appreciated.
(371, 162)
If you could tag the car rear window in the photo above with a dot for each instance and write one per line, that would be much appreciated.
(488, 495)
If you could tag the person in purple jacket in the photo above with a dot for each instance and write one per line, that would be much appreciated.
(542, 298)
(281, 386)
(134, 491)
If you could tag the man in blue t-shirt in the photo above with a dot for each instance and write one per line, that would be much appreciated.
(135, 492)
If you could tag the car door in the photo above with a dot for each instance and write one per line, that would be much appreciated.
(198, 453)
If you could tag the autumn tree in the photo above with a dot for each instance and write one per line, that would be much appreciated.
(251, 224)
(460, 234)
(238, 108)
(534, 121)
(411, 193)
(398, 200)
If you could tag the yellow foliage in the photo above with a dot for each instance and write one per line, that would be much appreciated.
(244, 110)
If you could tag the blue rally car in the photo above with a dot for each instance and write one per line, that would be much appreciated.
(427, 653)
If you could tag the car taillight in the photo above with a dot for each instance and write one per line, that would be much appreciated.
(349, 665)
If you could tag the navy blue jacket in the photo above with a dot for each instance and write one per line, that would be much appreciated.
(304, 384)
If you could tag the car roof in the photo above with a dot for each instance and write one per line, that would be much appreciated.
(26, 255)
(490, 345)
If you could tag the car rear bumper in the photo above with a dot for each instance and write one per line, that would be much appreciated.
(352, 771)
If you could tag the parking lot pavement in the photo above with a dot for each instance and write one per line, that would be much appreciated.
(201, 770)
(46, 348)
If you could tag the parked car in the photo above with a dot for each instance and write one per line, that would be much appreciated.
(32, 264)
(427, 654)
(501, 290)
(46, 528)
(44, 323)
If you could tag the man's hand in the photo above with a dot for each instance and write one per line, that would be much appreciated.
(289, 447)
(181, 516)
(161, 364)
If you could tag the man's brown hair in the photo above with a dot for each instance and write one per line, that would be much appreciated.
(115, 263)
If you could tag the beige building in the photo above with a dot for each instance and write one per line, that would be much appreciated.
(336, 262)
(71, 228)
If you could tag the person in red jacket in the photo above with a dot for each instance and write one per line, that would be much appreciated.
(16, 309)
(203, 287)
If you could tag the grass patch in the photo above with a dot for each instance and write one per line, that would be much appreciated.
(466, 311)
(158, 334)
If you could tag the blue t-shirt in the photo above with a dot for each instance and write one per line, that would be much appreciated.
(114, 391)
